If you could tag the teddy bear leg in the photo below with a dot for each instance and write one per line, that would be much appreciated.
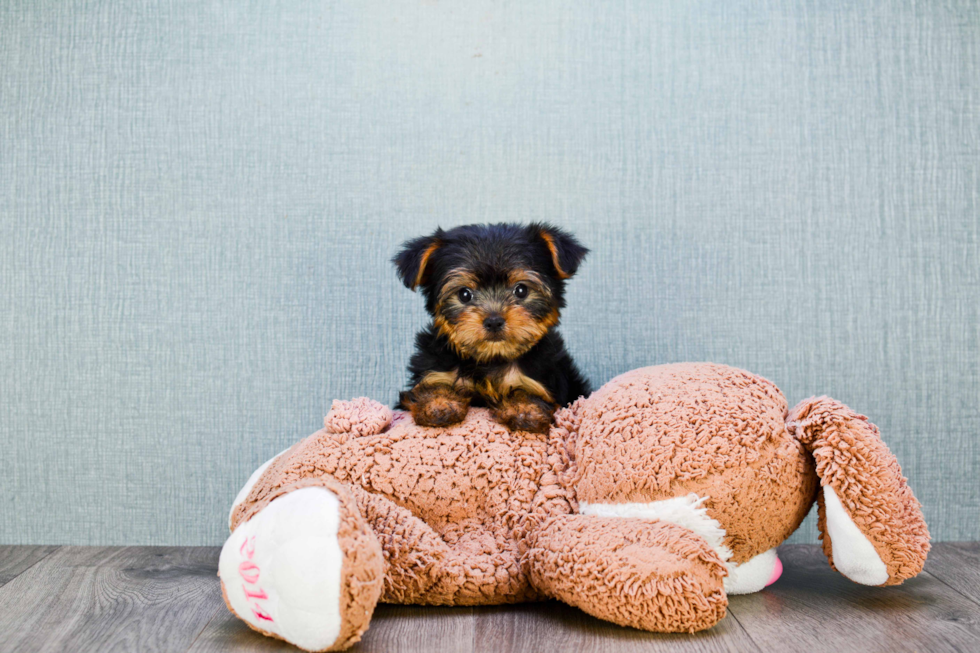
(870, 523)
(304, 567)
(646, 574)
(420, 568)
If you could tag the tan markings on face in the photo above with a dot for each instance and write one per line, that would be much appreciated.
(507, 350)
(522, 328)
(550, 242)
(466, 335)
(531, 279)
(426, 255)
(521, 333)
(443, 327)
(456, 280)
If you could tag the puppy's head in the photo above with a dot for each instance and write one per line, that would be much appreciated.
(494, 290)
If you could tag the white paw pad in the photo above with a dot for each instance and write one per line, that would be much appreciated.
(854, 554)
(753, 575)
(282, 569)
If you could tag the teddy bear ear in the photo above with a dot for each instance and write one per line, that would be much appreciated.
(357, 417)
(870, 523)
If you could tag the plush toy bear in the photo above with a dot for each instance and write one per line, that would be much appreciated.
(647, 504)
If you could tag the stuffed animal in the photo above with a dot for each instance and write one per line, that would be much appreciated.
(647, 504)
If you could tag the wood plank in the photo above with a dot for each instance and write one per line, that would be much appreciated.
(156, 598)
(409, 628)
(14, 560)
(958, 565)
(111, 599)
(226, 632)
(813, 608)
(533, 627)
(419, 629)
(555, 627)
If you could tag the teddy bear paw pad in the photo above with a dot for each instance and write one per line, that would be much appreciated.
(281, 570)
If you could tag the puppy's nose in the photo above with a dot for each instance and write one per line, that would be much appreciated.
(494, 323)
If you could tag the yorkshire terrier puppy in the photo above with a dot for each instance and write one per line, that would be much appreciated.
(494, 293)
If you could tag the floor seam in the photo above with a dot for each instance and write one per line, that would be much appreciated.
(968, 598)
(33, 564)
(744, 629)
(214, 616)
(217, 611)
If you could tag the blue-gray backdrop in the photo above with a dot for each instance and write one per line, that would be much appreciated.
(198, 201)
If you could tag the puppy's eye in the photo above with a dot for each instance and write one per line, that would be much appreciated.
(465, 295)
(520, 291)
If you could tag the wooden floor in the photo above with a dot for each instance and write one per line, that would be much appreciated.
(167, 599)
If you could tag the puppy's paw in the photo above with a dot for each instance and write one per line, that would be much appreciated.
(436, 405)
(440, 411)
(524, 412)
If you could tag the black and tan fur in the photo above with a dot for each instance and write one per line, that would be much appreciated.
(495, 293)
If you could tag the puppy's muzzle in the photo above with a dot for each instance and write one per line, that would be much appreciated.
(494, 326)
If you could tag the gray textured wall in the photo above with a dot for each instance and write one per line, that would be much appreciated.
(198, 201)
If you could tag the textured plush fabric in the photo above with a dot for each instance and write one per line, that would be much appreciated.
(695, 463)
(852, 459)
(706, 429)
(199, 200)
(362, 568)
(649, 575)
(450, 506)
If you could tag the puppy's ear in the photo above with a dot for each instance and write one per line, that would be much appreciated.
(566, 252)
(412, 262)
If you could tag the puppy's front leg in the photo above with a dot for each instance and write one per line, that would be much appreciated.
(522, 411)
(437, 400)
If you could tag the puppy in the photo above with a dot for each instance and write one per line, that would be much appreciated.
(494, 293)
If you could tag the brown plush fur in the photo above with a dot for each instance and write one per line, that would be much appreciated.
(418, 486)
(852, 459)
(671, 576)
(473, 521)
(680, 444)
